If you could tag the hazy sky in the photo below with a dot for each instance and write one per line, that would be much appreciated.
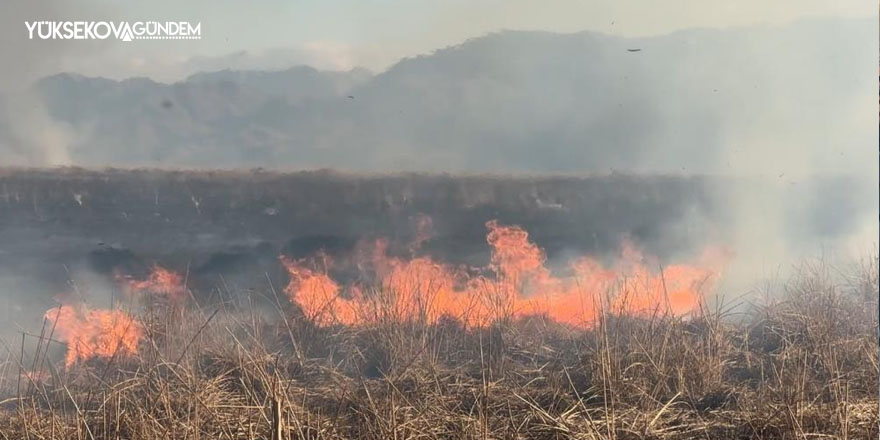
(788, 130)
(340, 34)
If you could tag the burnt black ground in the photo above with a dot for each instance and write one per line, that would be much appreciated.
(229, 227)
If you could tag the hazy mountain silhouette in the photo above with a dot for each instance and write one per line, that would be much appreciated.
(510, 101)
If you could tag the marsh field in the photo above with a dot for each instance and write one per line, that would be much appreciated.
(318, 305)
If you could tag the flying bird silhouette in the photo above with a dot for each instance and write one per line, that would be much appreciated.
(634, 50)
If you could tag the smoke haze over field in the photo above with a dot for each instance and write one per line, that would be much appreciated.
(789, 100)
(780, 116)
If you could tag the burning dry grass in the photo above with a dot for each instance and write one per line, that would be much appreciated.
(802, 364)
(515, 283)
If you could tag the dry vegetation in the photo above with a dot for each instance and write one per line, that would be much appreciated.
(801, 362)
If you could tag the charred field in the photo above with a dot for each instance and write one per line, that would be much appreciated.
(246, 305)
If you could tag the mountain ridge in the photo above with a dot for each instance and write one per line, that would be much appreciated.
(530, 101)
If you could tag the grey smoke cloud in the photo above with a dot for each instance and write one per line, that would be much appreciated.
(762, 100)
(780, 106)
(696, 101)
(29, 59)
(28, 135)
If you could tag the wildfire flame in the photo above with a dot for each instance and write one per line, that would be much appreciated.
(318, 294)
(516, 283)
(94, 333)
(160, 281)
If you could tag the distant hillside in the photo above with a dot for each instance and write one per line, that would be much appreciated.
(771, 98)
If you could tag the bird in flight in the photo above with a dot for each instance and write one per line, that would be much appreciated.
(634, 50)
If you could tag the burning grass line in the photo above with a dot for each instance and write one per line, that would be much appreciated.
(645, 376)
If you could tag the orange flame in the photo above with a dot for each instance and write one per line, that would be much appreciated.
(94, 333)
(317, 294)
(516, 283)
(161, 281)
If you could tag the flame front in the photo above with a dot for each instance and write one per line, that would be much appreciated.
(317, 294)
(516, 283)
(94, 333)
(160, 281)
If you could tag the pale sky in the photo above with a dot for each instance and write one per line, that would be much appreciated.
(341, 34)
